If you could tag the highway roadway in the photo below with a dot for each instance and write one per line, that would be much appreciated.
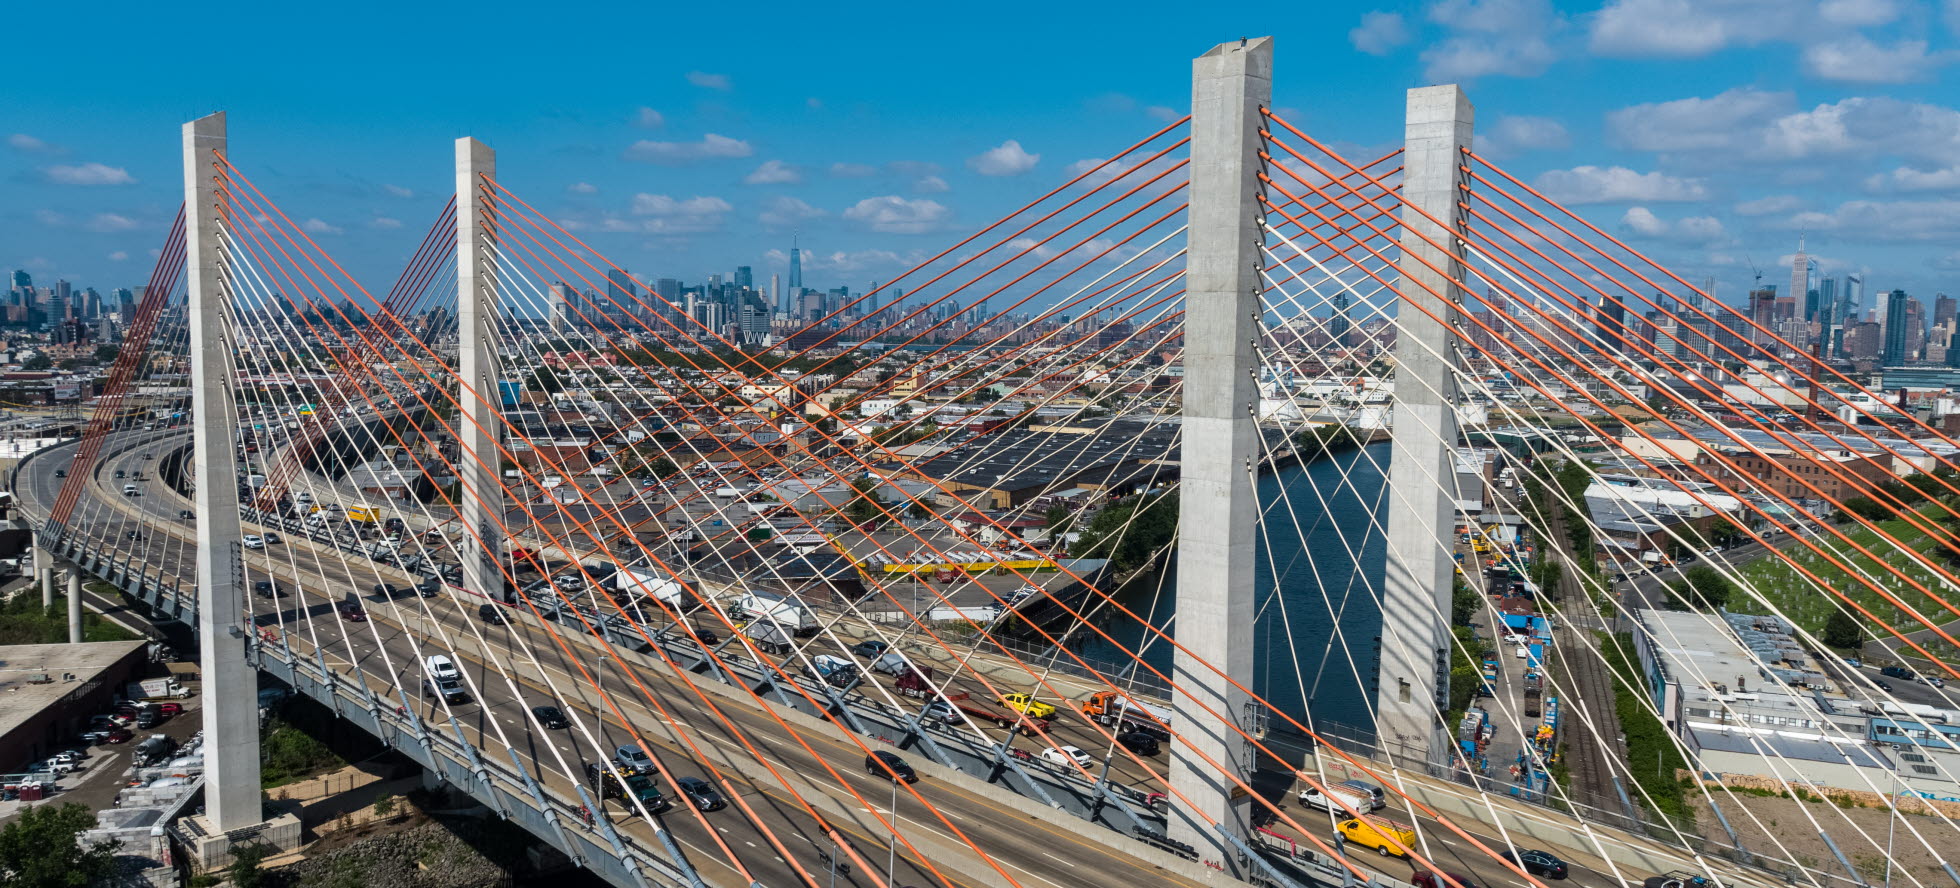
(688, 738)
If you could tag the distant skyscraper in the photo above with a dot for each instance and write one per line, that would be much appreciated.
(23, 280)
(744, 277)
(1612, 320)
(795, 266)
(1338, 323)
(1800, 269)
(1943, 308)
(1896, 319)
(555, 309)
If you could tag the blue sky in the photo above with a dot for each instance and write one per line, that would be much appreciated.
(690, 140)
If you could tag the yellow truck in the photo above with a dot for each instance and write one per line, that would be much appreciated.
(363, 515)
(1385, 836)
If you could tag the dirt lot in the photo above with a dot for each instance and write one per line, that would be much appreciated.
(1797, 826)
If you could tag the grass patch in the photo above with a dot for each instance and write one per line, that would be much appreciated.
(24, 621)
(1779, 582)
(1652, 757)
(288, 755)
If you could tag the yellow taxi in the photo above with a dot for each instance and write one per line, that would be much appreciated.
(1385, 836)
(1026, 703)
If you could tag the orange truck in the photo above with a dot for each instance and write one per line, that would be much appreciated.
(1116, 708)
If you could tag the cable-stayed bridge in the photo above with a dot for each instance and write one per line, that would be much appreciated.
(1231, 471)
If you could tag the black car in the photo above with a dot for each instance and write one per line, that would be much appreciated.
(1899, 672)
(1140, 742)
(870, 650)
(491, 615)
(387, 591)
(551, 717)
(1537, 863)
(890, 766)
(267, 589)
(700, 793)
(61, 473)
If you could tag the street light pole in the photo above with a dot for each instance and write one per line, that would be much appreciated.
(1892, 823)
(891, 842)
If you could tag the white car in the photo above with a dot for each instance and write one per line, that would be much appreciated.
(441, 667)
(569, 582)
(253, 541)
(1067, 755)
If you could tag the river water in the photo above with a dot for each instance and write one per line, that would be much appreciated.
(1318, 577)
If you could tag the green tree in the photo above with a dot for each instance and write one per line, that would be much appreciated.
(1130, 532)
(107, 353)
(1707, 588)
(244, 871)
(1842, 630)
(1464, 603)
(864, 506)
(40, 849)
(38, 362)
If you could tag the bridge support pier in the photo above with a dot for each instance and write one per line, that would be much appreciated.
(74, 604)
(1413, 683)
(44, 572)
(1218, 504)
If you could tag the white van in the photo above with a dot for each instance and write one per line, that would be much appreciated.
(440, 667)
(129, 490)
(1343, 800)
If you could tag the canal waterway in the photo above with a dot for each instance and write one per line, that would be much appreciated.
(1320, 561)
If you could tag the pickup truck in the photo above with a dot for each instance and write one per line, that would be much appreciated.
(956, 708)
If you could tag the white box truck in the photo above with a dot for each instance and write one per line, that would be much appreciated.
(776, 610)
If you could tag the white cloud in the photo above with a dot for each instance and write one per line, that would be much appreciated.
(1696, 124)
(582, 188)
(1856, 59)
(1701, 230)
(706, 80)
(1512, 134)
(1687, 28)
(1858, 13)
(1502, 37)
(1379, 33)
(1006, 159)
(112, 222)
(712, 146)
(118, 256)
(1909, 179)
(773, 172)
(667, 215)
(50, 218)
(788, 212)
(319, 226)
(848, 261)
(892, 214)
(89, 174)
(647, 118)
(383, 222)
(813, 103)
(844, 170)
(1769, 206)
(397, 190)
(931, 185)
(25, 142)
(1164, 113)
(1893, 221)
(1591, 184)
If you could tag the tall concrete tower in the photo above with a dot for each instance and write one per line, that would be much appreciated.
(1412, 685)
(1218, 505)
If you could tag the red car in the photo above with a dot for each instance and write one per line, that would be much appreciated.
(169, 709)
